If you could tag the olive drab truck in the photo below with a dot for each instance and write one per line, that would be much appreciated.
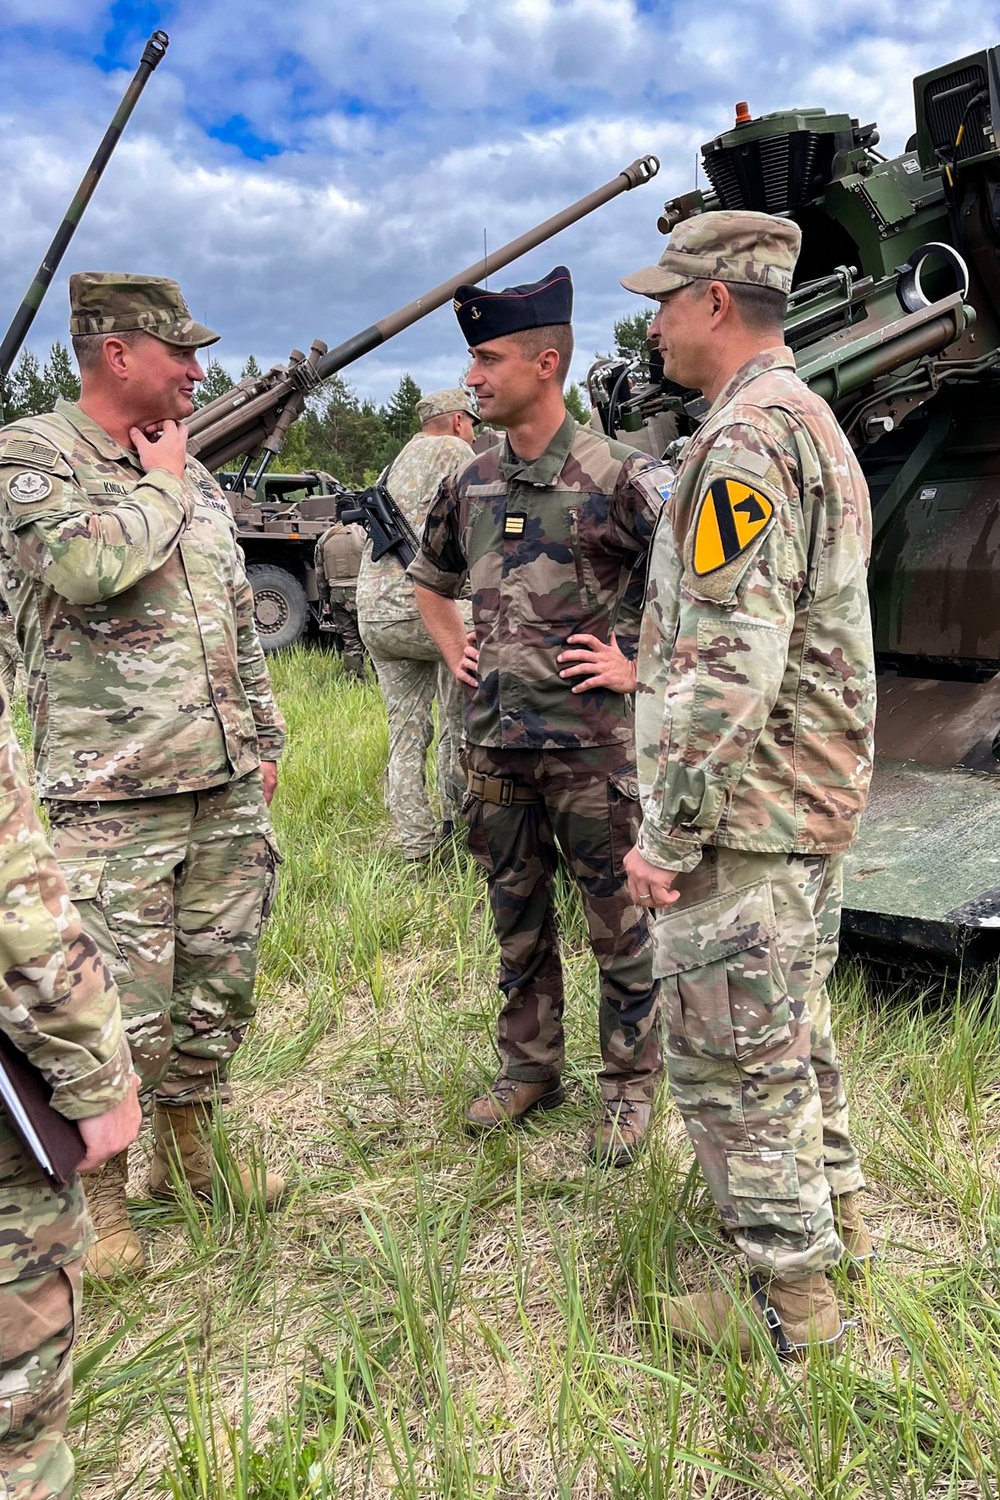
(895, 319)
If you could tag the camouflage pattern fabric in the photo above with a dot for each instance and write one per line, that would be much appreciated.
(58, 1004)
(756, 699)
(385, 594)
(173, 890)
(338, 556)
(38, 1318)
(411, 675)
(588, 808)
(144, 672)
(744, 957)
(551, 548)
(444, 403)
(116, 302)
(736, 245)
(10, 656)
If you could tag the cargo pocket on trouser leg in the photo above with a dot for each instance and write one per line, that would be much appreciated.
(38, 1319)
(84, 880)
(729, 1029)
(623, 816)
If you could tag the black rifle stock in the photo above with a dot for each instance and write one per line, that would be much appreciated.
(387, 527)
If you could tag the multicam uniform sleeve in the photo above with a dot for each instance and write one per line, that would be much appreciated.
(639, 496)
(85, 555)
(742, 565)
(440, 565)
(253, 670)
(58, 1003)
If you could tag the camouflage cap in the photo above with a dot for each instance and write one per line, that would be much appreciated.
(443, 403)
(115, 302)
(727, 245)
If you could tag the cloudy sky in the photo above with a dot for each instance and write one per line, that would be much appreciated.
(306, 167)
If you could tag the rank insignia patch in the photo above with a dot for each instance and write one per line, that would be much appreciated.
(514, 525)
(731, 514)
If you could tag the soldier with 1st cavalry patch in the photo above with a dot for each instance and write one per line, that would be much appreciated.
(156, 736)
(551, 528)
(754, 720)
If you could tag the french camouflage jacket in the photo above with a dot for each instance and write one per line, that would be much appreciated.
(756, 698)
(59, 1006)
(144, 672)
(552, 548)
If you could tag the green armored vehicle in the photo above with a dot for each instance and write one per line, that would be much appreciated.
(895, 319)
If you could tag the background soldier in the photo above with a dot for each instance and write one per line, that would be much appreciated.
(411, 672)
(754, 731)
(59, 1006)
(337, 560)
(549, 528)
(151, 710)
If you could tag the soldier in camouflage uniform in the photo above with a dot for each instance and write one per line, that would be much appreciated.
(411, 672)
(754, 720)
(551, 529)
(155, 731)
(10, 656)
(59, 1006)
(337, 560)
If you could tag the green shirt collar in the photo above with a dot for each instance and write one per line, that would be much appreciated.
(545, 469)
(778, 358)
(94, 434)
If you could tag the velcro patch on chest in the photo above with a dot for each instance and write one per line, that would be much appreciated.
(22, 450)
(731, 515)
(514, 525)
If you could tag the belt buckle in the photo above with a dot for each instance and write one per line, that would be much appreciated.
(506, 790)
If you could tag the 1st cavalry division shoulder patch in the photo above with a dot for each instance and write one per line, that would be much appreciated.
(730, 516)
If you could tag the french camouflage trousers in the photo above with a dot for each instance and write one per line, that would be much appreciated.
(744, 957)
(174, 891)
(587, 807)
(411, 675)
(38, 1316)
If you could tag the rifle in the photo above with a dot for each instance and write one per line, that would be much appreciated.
(254, 417)
(384, 522)
(24, 317)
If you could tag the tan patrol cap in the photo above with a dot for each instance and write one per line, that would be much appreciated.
(443, 403)
(727, 245)
(115, 302)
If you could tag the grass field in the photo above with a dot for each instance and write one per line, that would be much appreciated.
(430, 1315)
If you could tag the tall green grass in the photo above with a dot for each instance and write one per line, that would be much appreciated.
(432, 1315)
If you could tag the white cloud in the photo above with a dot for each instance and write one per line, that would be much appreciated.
(400, 133)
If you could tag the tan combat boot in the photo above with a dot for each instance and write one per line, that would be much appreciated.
(799, 1316)
(854, 1233)
(181, 1143)
(621, 1133)
(508, 1100)
(118, 1250)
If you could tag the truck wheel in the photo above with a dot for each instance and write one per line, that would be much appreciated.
(280, 607)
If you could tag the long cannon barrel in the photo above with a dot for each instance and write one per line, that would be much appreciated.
(257, 413)
(24, 317)
(643, 170)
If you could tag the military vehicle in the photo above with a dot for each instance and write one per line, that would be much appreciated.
(278, 523)
(895, 319)
(252, 420)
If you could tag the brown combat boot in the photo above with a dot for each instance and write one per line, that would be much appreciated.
(118, 1249)
(508, 1100)
(858, 1245)
(181, 1143)
(620, 1135)
(799, 1316)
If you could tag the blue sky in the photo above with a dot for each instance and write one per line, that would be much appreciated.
(304, 168)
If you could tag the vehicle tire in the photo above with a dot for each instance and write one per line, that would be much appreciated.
(280, 607)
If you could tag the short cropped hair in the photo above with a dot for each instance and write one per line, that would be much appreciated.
(87, 346)
(762, 309)
(557, 336)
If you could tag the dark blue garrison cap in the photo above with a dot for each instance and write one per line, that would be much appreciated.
(486, 315)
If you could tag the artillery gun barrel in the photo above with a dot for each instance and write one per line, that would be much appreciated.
(24, 317)
(256, 414)
(642, 170)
